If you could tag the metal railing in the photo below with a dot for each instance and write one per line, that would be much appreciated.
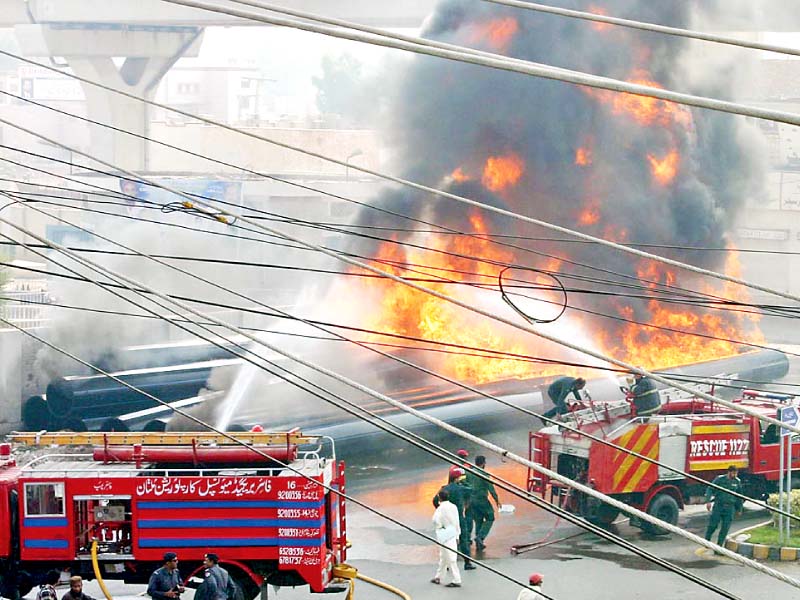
(24, 302)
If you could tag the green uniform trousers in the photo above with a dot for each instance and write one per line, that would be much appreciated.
(722, 517)
(482, 515)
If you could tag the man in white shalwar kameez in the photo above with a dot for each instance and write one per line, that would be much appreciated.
(447, 528)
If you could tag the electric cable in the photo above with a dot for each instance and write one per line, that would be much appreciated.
(727, 304)
(442, 232)
(283, 219)
(407, 363)
(436, 451)
(644, 26)
(223, 215)
(326, 391)
(523, 314)
(564, 259)
(475, 351)
(576, 308)
(256, 450)
(316, 23)
(411, 184)
(494, 448)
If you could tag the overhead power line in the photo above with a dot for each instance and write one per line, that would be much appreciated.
(223, 215)
(424, 444)
(497, 61)
(644, 26)
(538, 71)
(367, 346)
(439, 346)
(446, 281)
(249, 357)
(343, 231)
(401, 406)
(408, 183)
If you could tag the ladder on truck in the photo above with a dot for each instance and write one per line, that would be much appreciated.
(148, 438)
(603, 412)
(538, 452)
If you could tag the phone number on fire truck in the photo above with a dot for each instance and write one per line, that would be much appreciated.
(297, 495)
(728, 447)
(298, 532)
(299, 560)
(298, 513)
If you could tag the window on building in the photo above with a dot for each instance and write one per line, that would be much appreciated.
(44, 499)
(245, 84)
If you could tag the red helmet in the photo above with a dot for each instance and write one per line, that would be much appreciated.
(462, 453)
(536, 579)
(456, 472)
(257, 429)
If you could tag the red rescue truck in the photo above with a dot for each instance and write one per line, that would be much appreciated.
(689, 434)
(139, 495)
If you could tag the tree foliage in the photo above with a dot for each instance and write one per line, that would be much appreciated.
(344, 90)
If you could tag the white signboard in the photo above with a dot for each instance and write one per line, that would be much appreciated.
(778, 235)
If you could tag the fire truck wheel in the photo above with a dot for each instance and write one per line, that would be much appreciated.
(606, 515)
(663, 507)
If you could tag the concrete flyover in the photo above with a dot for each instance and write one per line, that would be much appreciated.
(408, 13)
(151, 35)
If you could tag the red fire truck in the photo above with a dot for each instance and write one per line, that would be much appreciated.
(690, 434)
(139, 495)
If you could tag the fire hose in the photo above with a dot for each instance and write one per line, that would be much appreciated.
(97, 574)
(351, 574)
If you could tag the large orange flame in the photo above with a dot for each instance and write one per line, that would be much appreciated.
(664, 169)
(644, 110)
(405, 311)
(651, 347)
(502, 172)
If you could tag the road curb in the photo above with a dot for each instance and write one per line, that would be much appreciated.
(761, 551)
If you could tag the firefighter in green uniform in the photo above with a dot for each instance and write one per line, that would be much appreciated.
(558, 392)
(459, 494)
(646, 398)
(723, 506)
(480, 513)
